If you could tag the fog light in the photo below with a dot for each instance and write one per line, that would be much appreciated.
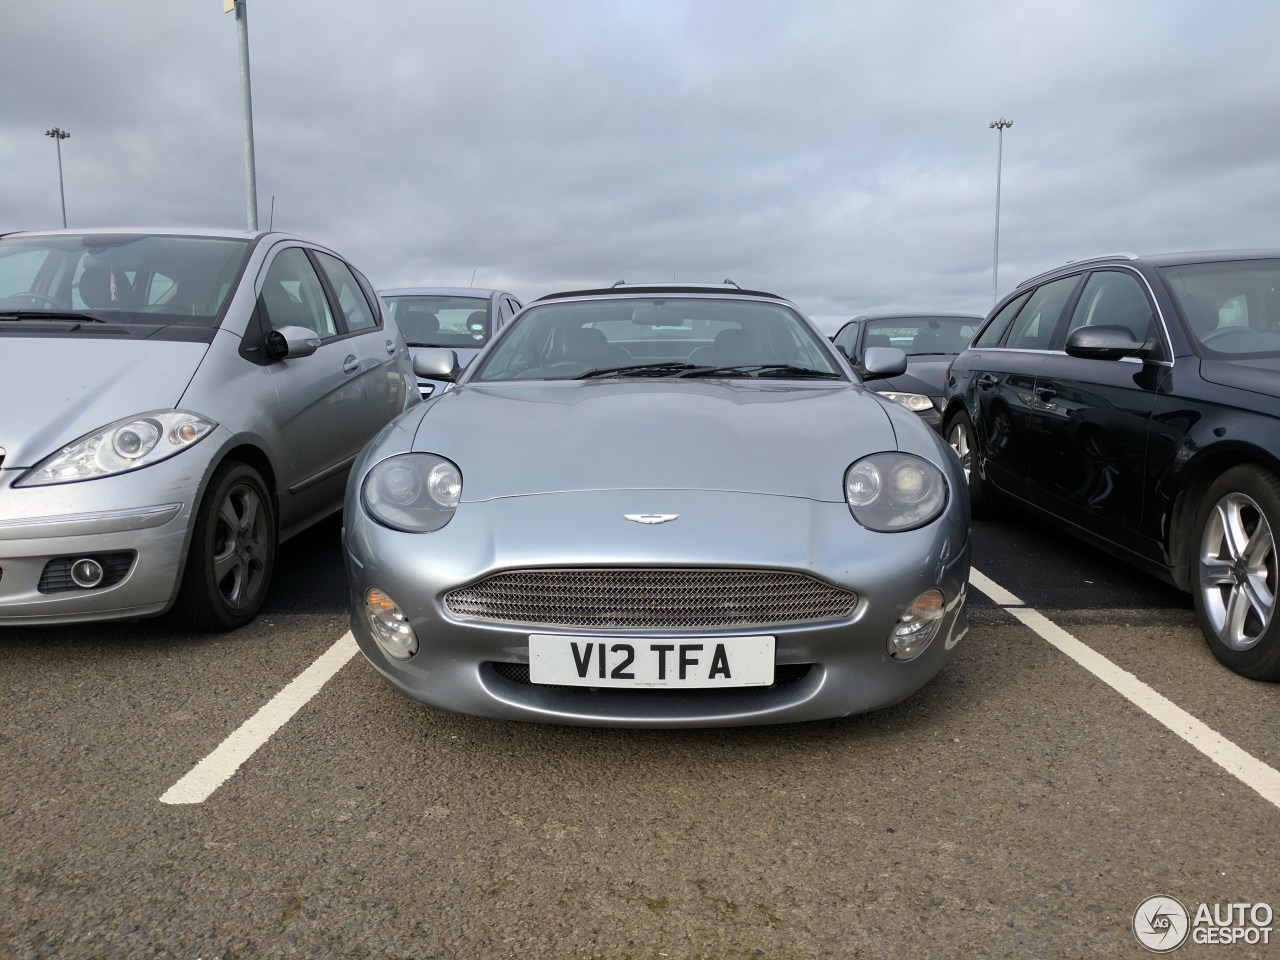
(87, 573)
(917, 625)
(389, 625)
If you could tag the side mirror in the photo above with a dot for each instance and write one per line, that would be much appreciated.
(1103, 342)
(879, 363)
(292, 342)
(437, 363)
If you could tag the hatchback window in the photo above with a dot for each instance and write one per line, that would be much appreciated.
(351, 300)
(1034, 326)
(293, 296)
(124, 278)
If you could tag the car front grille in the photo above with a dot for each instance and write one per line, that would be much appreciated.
(628, 598)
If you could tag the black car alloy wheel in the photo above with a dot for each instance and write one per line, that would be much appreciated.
(1237, 571)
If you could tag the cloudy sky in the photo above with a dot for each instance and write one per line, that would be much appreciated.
(837, 152)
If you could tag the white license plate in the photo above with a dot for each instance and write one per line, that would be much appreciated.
(651, 661)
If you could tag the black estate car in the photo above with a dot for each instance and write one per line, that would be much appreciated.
(930, 341)
(1136, 402)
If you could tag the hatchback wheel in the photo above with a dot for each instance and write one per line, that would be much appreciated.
(1237, 571)
(960, 436)
(233, 552)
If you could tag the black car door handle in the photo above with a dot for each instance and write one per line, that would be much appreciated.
(351, 364)
(986, 382)
(1046, 393)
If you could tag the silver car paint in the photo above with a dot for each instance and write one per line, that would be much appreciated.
(300, 421)
(579, 456)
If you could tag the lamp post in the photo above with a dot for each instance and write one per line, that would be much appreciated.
(999, 126)
(58, 136)
(250, 176)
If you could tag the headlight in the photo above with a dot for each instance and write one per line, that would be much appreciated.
(414, 492)
(120, 447)
(894, 491)
(916, 402)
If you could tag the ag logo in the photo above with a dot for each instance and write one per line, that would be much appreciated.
(1161, 924)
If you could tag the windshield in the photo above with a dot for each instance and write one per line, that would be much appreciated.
(923, 336)
(1232, 308)
(441, 321)
(657, 337)
(137, 278)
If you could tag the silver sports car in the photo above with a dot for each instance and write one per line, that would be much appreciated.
(658, 506)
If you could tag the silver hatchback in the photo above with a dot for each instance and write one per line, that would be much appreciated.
(173, 405)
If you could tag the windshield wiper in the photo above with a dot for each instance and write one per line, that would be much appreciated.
(765, 369)
(664, 368)
(49, 315)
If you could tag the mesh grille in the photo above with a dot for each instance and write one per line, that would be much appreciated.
(648, 599)
(56, 577)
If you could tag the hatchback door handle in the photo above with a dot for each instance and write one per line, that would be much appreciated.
(351, 364)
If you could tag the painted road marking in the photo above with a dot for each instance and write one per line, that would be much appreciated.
(215, 769)
(1245, 767)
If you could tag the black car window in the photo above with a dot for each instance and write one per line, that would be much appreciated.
(1034, 326)
(993, 332)
(351, 299)
(1114, 298)
(293, 296)
(847, 338)
(1232, 307)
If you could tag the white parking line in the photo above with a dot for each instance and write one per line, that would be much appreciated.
(215, 769)
(1246, 768)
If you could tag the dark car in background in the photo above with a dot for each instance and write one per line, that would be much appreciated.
(1135, 401)
(459, 318)
(930, 341)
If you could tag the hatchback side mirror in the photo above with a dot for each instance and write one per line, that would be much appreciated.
(292, 342)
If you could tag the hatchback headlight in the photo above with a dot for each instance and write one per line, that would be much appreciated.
(120, 447)
(889, 492)
(414, 492)
(916, 402)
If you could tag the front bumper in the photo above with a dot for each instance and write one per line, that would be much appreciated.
(823, 670)
(141, 520)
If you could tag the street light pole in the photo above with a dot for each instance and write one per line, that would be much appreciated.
(251, 178)
(999, 126)
(58, 136)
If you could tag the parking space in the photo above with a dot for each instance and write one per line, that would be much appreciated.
(1017, 806)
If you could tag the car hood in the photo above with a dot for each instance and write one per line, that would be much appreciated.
(923, 375)
(517, 439)
(55, 390)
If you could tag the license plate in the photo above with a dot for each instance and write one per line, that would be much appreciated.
(651, 662)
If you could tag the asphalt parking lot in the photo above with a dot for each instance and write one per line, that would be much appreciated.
(1024, 804)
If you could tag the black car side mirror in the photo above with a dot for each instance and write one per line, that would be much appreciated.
(1104, 342)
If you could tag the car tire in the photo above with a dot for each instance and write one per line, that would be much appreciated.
(233, 552)
(961, 439)
(1237, 569)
